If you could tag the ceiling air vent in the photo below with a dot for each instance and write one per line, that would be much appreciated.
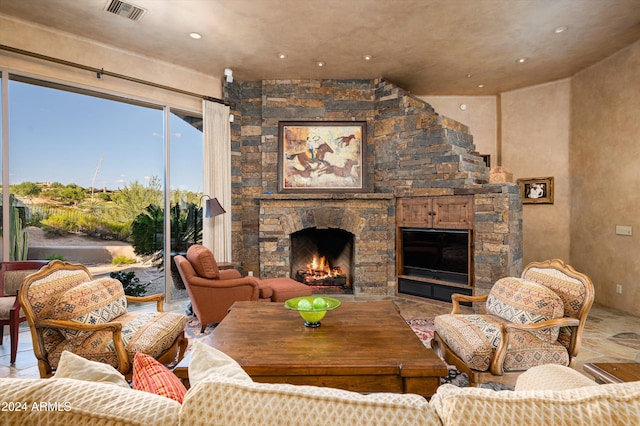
(126, 10)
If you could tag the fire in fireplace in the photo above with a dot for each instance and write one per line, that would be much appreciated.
(323, 259)
(319, 272)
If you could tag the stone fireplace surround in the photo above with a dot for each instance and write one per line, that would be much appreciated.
(410, 151)
(366, 216)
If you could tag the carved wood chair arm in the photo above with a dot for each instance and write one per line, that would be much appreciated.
(456, 298)
(158, 298)
(72, 325)
(497, 364)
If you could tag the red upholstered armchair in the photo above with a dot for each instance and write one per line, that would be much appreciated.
(213, 291)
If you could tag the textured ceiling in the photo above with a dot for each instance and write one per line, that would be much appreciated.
(426, 46)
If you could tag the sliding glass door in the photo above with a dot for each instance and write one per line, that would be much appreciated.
(87, 176)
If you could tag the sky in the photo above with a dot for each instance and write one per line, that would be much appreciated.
(59, 136)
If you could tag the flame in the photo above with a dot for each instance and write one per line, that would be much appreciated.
(320, 268)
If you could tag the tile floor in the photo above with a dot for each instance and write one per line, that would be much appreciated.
(609, 336)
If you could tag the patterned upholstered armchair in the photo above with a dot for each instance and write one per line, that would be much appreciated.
(69, 310)
(532, 320)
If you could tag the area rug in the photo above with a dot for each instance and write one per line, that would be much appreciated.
(192, 329)
(424, 329)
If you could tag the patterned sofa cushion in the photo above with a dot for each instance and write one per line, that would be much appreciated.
(151, 333)
(93, 302)
(571, 290)
(604, 405)
(474, 338)
(226, 401)
(151, 376)
(69, 402)
(525, 302)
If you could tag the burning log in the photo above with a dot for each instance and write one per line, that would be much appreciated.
(321, 274)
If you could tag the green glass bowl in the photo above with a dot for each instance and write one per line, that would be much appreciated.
(311, 315)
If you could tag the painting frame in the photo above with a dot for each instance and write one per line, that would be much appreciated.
(536, 190)
(321, 156)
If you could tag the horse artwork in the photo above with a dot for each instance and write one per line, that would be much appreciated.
(312, 156)
(324, 156)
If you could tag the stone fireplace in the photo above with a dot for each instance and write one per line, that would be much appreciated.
(410, 151)
(365, 216)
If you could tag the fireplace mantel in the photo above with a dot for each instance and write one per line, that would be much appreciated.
(336, 196)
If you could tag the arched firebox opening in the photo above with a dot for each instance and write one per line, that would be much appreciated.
(323, 259)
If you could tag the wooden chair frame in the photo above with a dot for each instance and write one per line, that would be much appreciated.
(496, 372)
(178, 347)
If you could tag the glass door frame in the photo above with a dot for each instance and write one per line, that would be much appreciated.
(5, 77)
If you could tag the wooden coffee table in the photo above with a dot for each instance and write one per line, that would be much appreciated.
(614, 372)
(360, 346)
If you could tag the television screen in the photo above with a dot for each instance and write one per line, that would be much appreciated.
(436, 254)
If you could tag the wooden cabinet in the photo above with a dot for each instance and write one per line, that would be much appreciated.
(446, 212)
(435, 246)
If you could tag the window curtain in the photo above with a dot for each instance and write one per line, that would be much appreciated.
(216, 231)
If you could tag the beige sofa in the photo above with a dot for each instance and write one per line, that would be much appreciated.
(545, 395)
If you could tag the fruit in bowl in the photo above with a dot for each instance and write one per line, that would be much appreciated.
(319, 303)
(304, 305)
(312, 308)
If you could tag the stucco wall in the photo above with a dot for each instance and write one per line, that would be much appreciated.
(605, 177)
(535, 143)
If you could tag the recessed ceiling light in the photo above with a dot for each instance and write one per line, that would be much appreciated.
(560, 29)
(463, 106)
(367, 57)
(320, 64)
(196, 36)
(521, 60)
(281, 55)
(468, 75)
(481, 85)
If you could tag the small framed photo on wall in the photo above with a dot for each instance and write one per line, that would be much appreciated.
(536, 190)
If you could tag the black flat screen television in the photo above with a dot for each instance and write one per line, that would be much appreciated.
(436, 254)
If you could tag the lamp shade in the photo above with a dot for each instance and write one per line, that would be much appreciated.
(213, 207)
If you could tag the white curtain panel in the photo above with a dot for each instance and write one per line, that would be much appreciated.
(216, 232)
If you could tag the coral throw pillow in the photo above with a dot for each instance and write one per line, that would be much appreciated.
(151, 376)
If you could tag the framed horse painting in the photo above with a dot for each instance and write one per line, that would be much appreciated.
(321, 156)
